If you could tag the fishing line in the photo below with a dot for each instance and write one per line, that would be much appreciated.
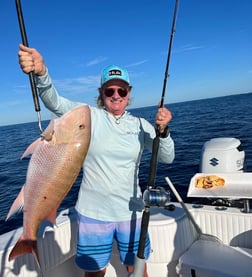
(31, 74)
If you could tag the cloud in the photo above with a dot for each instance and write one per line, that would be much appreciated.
(78, 85)
(188, 47)
(97, 60)
(137, 63)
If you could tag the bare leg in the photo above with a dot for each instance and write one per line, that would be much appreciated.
(100, 273)
(130, 268)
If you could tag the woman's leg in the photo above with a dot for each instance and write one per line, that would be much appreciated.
(100, 273)
(94, 245)
(130, 268)
(127, 236)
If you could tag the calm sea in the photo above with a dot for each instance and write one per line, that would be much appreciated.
(193, 123)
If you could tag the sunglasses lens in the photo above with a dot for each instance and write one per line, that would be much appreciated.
(110, 91)
(122, 92)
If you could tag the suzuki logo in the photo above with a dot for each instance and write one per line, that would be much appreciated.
(214, 162)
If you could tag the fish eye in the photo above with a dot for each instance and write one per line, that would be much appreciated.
(81, 126)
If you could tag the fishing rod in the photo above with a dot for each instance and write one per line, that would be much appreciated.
(169, 53)
(156, 140)
(154, 196)
(31, 74)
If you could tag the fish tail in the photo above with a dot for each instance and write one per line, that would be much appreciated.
(23, 247)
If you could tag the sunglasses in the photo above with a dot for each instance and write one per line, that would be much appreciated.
(110, 92)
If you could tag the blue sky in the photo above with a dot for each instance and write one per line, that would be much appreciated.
(211, 53)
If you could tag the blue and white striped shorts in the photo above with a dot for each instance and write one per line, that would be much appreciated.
(95, 240)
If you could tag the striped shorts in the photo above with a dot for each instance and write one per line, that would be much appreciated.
(95, 240)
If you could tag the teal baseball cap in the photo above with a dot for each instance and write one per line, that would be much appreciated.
(114, 72)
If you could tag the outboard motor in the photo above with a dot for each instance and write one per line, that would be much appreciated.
(224, 155)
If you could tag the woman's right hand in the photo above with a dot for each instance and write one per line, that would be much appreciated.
(31, 60)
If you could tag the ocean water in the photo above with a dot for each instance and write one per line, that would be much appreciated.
(194, 123)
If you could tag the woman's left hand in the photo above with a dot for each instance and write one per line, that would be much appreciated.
(163, 117)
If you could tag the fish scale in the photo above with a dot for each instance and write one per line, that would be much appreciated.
(53, 168)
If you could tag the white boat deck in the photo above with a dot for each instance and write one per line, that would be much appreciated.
(173, 240)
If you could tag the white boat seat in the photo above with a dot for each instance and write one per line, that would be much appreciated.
(210, 259)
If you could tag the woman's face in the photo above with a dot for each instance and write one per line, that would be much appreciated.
(115, 94)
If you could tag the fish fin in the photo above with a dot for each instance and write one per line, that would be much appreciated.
(46, 135)
(23, 247)
(31, 148)
(17, 205)
(52, 216)
(49, 131)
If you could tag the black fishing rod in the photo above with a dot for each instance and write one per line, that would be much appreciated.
(31, 74)
(155, 146)
(169, 53)
(154, 196)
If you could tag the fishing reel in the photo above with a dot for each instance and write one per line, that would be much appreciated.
(158, 197)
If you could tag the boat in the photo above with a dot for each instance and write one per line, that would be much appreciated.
(223, 248)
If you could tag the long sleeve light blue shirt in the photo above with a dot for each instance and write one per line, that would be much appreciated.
(110, 189)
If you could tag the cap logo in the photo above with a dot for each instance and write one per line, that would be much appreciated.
(115, 72)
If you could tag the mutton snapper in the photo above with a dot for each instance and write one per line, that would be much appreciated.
(55, 163)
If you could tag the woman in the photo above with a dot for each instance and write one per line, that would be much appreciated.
(109, 204)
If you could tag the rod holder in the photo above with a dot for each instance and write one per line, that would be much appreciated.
(246, 206)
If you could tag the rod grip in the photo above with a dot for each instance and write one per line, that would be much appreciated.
(143, 234)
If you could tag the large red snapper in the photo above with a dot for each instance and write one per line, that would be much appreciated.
(55, 163)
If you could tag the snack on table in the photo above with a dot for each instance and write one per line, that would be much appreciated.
(207, 182)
